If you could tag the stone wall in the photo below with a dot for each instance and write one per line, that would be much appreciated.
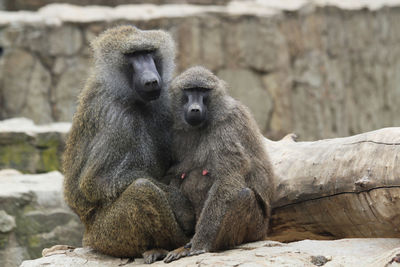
(33, 216)
(311, 68)
(36, 4)
(29, 148)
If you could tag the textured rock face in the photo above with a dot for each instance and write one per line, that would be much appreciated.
(301, 66)
(35, 4)
(33, 215)
(30, 148)
(345, 252)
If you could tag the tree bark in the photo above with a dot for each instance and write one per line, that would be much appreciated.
(336, 188)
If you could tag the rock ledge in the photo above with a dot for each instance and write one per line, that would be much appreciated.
(344, 252)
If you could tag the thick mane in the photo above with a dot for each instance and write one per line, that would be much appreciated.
(118, 149)
(112, 46)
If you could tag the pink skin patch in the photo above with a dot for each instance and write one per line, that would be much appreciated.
(183, 175)
(205, 172)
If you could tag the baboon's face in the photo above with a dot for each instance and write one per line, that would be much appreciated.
(195, 105)
(145, 77)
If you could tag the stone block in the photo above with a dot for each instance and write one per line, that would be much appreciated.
(30, 148)
(337, 62)
(33, 216)
(343, 252)
(247, 87)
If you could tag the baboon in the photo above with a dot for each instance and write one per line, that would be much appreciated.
(222, 167)
(120, 144)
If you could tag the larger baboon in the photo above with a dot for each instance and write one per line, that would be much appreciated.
(223, 168)
(120, 133)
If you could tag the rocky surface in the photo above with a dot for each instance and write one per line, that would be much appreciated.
(345, 252)
(319, 68)
(33, 216)
(30, 148)
(35, 4)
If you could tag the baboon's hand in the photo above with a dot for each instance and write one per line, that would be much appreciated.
(152, 255)
(177, 254)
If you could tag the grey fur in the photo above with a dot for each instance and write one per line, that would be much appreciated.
(232, 202)
(117, 150)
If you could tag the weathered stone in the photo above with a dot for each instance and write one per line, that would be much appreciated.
(25, 86)
(260, 45)
(308, 96)
(64, 41)
(68, 233)
(30, 148)
(15, 80)
(336, 64)
(13, 256)
(73, 72)
(319, 260)
(40, 221)
(35, 4)
(247, 87)
(42, 218)
(199, 41)
(344, 252)
(11, 36)
(7, 222)
(188, 41)
(212, 44)
(37, 104)
(278, 84)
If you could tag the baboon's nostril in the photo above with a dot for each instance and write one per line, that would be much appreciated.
(151, 83)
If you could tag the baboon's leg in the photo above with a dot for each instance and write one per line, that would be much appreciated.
(139, 220)
(231, 222)
(181, 207)
(228, 217)
(244, 221)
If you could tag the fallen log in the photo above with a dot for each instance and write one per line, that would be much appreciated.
(336, 188)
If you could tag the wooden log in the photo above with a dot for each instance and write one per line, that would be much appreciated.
(337, 188)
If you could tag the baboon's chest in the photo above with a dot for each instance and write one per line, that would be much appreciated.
(151, 141)
(195, 187)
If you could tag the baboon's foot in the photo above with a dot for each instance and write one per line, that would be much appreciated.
(153, 255)
(176, 254)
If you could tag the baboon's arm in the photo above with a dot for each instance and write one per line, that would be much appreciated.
(111, 164)
(107, 175)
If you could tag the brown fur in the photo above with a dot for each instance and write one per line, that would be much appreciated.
(117, 149)
(232, 202)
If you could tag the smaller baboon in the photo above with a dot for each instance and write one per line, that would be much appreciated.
(223, 168)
